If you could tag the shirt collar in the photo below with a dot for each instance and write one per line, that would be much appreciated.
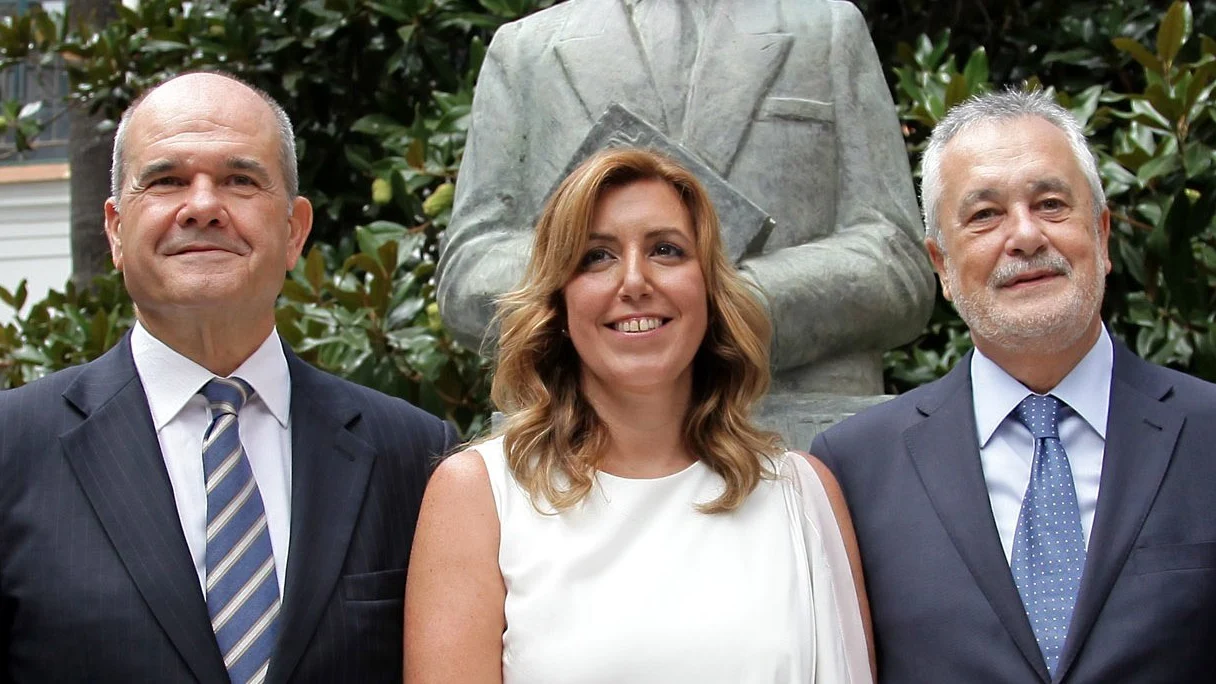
(170, 380)
(1086, 389)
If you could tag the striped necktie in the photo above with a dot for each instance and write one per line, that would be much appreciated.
(1048, 549)
(242, 587)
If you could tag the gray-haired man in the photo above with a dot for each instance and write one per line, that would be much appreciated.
(1044, 512)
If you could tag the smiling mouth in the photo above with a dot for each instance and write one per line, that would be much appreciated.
(639, 325)
(1035, 278)
(201, 249)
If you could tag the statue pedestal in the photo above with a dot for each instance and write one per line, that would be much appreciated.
(798, 417)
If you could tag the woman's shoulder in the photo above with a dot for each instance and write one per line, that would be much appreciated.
(477, 461)
(813, 482)
(807, 464)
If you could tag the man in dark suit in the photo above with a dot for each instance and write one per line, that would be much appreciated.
(199, 504)
(1045, 512)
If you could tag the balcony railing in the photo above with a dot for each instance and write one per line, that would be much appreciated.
(30, 82)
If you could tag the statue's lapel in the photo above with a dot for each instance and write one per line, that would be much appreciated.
(602, 59)
(738, 61)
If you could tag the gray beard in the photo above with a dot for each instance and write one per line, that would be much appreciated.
(1046, 331)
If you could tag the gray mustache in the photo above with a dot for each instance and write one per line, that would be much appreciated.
(1014, 267)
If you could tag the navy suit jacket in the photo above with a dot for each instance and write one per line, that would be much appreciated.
(943, 601)
(97, 583)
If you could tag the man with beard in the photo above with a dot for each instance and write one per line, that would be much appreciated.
(1045, 511)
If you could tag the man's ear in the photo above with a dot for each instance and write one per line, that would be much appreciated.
(938, 256)
(1104, 237)
(300, 225)
(113, 232)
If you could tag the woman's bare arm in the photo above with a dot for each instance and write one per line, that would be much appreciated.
(845, 522)
(454, 597)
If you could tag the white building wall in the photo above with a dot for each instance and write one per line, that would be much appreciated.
(34, 235)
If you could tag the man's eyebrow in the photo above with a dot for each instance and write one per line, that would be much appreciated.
(1051, 185)
(247, 164)
(981, 195)
(156, 168)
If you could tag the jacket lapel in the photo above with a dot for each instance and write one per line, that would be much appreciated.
(597, 46)
(735, 67)
(330, 469)
(945, 452)
(1140, 437)
(116, 457)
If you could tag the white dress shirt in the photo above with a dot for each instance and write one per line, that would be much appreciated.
(181, 416)
(1007, 447)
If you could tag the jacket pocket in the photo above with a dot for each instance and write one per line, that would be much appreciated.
(796, 109)
(1166, 557)
(385, 585)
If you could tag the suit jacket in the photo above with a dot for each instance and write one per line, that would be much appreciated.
(786, 101)
(97, 583)
(944, 604)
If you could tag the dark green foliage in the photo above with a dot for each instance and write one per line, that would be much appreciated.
(20, 120)
(370, 315)
(64, 329)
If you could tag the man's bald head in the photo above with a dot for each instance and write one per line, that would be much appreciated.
(179, 91)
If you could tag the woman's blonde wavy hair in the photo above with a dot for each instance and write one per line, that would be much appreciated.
(553, 439)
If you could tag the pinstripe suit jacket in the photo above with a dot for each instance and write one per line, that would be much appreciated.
(96, 581)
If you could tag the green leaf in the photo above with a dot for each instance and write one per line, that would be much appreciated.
(1148, 114)
(1197, 159)
(99, 331)
(359, 157)
(1084, 104)
(940, 47)
(956, 92)
(976, 70)
(1164, 102)
(1158, 166)
(163, 46)
(405, 312)
(387, 256)
(296, 292)
(1115, 177)
(1197, 98)
(350, 299)
(1139, 53)
(1081, 56)
(365, 262)
(378, 125)
(415, 154)
(1174, 30)
(314, 268)
(372, 236)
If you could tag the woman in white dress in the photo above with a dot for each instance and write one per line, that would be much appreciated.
(629, 523)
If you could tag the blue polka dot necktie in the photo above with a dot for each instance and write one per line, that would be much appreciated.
(1048, 549)
(242, 587)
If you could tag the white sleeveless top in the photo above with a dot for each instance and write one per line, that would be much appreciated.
(636, 585)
